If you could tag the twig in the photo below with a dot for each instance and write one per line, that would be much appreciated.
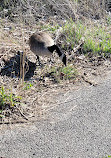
(55, 105)
(78, 47)
(88, 81)
(58, 33)
(13, 122)
(21, 113)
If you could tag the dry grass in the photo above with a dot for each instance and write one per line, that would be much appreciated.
(42, 86)
(33, 11)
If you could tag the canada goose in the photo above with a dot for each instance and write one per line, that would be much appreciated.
(42, 44)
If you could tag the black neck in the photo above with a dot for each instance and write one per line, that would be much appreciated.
(55, 47)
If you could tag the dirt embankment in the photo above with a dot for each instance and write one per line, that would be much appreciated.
(41, 86)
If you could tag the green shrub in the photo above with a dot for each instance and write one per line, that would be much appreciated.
(7, 98)
(27, 86)
(73, 33)
(67, 73)
(97, 37)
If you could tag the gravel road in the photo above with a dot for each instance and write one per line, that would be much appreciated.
(78, 128)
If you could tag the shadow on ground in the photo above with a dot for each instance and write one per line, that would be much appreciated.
(12, 67)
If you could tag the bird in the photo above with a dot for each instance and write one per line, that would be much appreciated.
(42, 44)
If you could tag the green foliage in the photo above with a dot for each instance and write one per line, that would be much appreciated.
(73, 33)
(3, 97)
(108, 20)
(7, 98)
(67, 73)
(89, 46)
(107, 156)
(97, 40)
(27, 86)
(97, 37)
(4, 4)
(1, 114)
(51, 28)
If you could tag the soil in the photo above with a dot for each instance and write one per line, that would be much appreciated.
(40, 91)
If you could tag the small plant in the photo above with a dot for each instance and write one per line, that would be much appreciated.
(1, 114)
(73, 33)
(27, 86)
(107, 156)
(3, 98)
(51, 28)
(97, 40)
(7, 99)
(97, 37)
(108, 20)
(67, 73)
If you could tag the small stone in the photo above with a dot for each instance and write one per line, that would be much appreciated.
(81, 57)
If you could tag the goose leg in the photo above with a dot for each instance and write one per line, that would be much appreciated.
(38, 60)
(51, 61)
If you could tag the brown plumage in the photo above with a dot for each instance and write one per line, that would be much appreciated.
(42, 44)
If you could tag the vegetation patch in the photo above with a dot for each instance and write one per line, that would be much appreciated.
(64, 73)
(7, 100)
(73, 33)
(69, 22)
(107, 156)
(27, 85)
(97, 38)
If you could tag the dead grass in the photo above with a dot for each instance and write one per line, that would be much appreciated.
(42, 86)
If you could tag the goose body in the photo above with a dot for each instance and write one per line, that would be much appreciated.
(41, 44)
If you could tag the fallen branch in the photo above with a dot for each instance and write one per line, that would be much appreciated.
(79, 46)
(21, 113)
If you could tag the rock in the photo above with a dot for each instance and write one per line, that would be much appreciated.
(81, 57)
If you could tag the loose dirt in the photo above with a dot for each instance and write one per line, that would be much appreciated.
(40, 92)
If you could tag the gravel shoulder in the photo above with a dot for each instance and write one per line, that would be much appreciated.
(78, 127)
